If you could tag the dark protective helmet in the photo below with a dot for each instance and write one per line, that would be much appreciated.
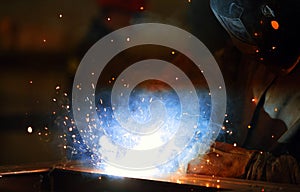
(266, 28)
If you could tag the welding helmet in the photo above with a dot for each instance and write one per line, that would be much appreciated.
(268, 29)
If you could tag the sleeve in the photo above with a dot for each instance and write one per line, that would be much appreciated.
(266, 167)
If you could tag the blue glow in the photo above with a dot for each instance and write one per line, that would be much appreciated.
(139, 104)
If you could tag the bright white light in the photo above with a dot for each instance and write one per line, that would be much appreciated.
(163, 134)
(29, 130)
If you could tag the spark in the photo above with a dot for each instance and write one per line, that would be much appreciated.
(275, 24)
(29, 130)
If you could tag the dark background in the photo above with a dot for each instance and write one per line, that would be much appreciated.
(37, 43)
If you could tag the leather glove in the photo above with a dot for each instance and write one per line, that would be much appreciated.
(224, 160)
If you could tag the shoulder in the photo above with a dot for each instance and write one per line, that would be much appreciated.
(283, 102)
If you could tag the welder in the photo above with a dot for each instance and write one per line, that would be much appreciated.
(260, 136)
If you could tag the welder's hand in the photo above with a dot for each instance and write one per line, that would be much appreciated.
(224, 160)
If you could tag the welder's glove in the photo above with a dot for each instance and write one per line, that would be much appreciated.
(226, 160)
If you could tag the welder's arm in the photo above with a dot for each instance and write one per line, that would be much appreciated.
(226, 160)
